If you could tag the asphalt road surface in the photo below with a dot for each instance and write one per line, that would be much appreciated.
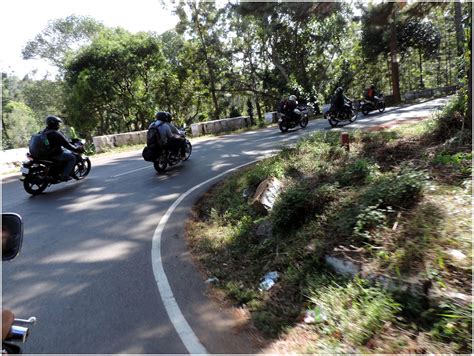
(96, 262)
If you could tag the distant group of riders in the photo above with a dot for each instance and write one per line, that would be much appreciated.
(340, 103)
(164, 135)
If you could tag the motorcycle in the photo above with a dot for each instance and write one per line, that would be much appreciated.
(367, 106)
(285, 123)
(12, 237)
(168, 158)
(313, 109)
(334, 116)
(38, 174)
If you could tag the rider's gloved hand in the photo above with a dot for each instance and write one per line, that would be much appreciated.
(7, 322)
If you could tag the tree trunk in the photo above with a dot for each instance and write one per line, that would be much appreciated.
(422, 85)
(394, 63)
(458, 26)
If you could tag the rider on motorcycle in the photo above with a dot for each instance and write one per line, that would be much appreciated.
(288, 106)
(341, 103)
(58, 141)
(371, 95)
(169, 134)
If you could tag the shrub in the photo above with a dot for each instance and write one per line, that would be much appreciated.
(358, 172)
(394, 190)
(299, 204)
(291, 208)
(355, 311)
(272, 167)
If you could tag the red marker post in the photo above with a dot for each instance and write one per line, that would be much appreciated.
(345, 140)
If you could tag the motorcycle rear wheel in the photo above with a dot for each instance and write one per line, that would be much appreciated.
(381, 106)
(353, 116)
(283, 126)
(160, 165)
(332, 121)
(35, 182)
(81, 169)
(189, 149)
(304, 122)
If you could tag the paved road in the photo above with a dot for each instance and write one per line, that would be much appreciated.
(86, 272)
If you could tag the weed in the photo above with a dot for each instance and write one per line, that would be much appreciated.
(354, 310)
(358, 173)
(396, 190)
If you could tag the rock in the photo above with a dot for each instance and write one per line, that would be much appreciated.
(342, 266)
(437, 296)
(264, 229)
(266, 194)
(456, 255)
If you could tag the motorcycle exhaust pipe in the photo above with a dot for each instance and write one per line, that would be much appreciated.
(18, 334)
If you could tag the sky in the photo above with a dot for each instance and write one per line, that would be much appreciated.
(22, 20)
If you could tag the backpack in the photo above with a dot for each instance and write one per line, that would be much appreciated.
(154, 144)
(39, 144)
(153, 138)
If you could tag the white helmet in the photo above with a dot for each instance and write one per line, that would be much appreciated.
(292, 98)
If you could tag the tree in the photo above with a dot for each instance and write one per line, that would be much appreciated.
(423, 36)
(112, 83)
(204, 23)
(61, 37)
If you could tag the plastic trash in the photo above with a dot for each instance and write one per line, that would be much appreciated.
(268, 281)
(212, 280)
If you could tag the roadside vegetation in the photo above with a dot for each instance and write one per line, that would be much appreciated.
(398, 205)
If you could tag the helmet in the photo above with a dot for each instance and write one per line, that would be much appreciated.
(161, 115)
(372, 86)
(169, 117)
(292, 98)
(53, 122)
(339, 90)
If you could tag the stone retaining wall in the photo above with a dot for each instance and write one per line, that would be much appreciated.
(102, 143)
(217, 126)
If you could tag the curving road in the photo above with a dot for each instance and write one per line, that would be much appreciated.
(95, 256)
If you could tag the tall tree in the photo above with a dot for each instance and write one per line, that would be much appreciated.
(112, 82)
(60, 38)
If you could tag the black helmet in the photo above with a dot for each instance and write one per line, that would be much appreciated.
(53, 122)
(169, 117)
(372, 86)
(161, 115)
(339, 90)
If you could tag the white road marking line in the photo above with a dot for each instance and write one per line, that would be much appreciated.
(135, 170)
(189, 339)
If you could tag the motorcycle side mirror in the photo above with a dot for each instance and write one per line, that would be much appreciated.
(12, 235)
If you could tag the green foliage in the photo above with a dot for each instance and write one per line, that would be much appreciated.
(299, 203)
(369, 219)
(395, 190)
(358, 173)
(454, 326)
(273, 167)
(61, 37)
(354, 310)
(462, 161)
(19, 123)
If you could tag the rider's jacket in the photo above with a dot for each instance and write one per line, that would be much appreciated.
(57, 140)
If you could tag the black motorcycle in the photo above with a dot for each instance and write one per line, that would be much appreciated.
(349, 114)
(367, 106)
(285, 123)
(168, 158)
(38, 174)
(12, 237)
